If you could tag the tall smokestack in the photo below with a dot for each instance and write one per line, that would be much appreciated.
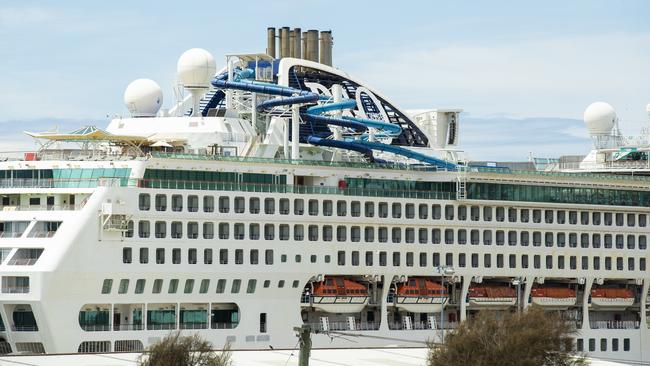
(311, 52)
(292, 44)
(270, 41)
(304, 45)
(284, 42)
(326, 48)
(297, 42)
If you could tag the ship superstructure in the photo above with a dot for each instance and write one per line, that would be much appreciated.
(281, 192)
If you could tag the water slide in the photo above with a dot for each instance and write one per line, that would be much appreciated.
(296, 96)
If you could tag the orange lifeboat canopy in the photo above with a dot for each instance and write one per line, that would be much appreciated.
(553, 292)
(420, 287)
(339, 286)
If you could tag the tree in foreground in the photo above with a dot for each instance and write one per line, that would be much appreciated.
(177, 350)
(531, 338)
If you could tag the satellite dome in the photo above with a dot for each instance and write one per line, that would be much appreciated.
(600, 118)
(196, 68)
(143, 98)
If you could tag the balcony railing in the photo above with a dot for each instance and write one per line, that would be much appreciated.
(614, 324)
(25, 328)
(41, 207)
(422, 326)
(202, 325)
(96, 327)
(15, 289)
(121, 327)
(345, 326)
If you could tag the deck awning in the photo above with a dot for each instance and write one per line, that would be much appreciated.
(85, 134)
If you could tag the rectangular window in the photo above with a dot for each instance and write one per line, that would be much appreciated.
(144, 255)
(160, 256)
(126, 255)
(236, 285)
(106, 286)
(205, 285)
(143, 229)
(139, 286)
(268, 256)
(173, 286)
(189, 286)
(207, 256)
(340, 258)
(254, 256)
(161, 202)
(221, 286)
(369, 258)
(208, 203)
(177, 202)
(250, 288)
(144, 201)
(157, 286)
(223, 256)
(176, 256)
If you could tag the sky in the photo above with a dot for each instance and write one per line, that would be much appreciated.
(523, 72)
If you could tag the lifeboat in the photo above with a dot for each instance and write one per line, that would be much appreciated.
(612, 297)
(549, 296)
(493, 296)
(339, 295)
(420, 295)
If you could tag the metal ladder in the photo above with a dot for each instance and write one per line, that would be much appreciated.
(461, 182)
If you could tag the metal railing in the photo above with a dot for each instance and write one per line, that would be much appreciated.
(614, 324)
(41, 207)
(121, 327)
(15, 289)
(96, 327)
(345, 326)
(24, 328)
(422, 326)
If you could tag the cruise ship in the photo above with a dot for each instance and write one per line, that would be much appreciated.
(279, 191)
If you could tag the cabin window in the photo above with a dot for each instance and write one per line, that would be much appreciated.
(126, 255)
(254, 256)
(383, 234)
(548, 216)
(409, 259)
(355, 208)
(208, 230)
(383, 210)
(423, 211)
(224, 204)
(144, 201)
(523, 215)
(254, 231)
(369, 258)
(561, 217)
(436, 212)
(223, 256)
(369, 234)
(236, 285)
(106, 286)
(537, 216)
(160, 256)
(161, 229)
(161, 202)
(144, 230)
(269, 232)
(250, 287)
(268, 256)
(383, 259)
(192, 203)
(192, 256)
(284, 232)
(173, 286)
(313, 207)
(340, 255)
(312, 232)
(327, 233)
(144, 255)
(239, 256)
(176, 256)
(177, 202)
(327, 208)
(298, 206)
(269, 206)
(423, 259)
(409, 211)
(341, 208)
(208, 204)
(369, 209)
(284, 206)
(355, 234)
(449, 212)
(240, 205)
(207, 256)
(355, 258)
(189, 286)
(254, 205)
(584, 218)
(205, 286)
(435, 259)
(396, 234)
(396, 259)
(423, 236)
(224, 230)
(177, 229)
(221, 286)
(341, 233)
(500, 237)
(298, 232)
(157, 286)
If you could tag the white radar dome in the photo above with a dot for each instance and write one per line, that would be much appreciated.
(600, 118)
(196, 68)
(143, 98)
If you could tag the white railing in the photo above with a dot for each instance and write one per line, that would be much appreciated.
(614, 324)
(15, 289)
(422, 326)
(345, 326)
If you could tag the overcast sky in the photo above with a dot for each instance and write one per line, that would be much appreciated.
(522, 71)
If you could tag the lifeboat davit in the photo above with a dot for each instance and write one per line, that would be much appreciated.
(420, 295)
(612, 297)
(337, 294)
(492, 296)
(549, 296)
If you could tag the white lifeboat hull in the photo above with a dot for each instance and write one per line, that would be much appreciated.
(554, 301)
(492, 302)
(615, 302)
(339, 304)
(416, 304)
